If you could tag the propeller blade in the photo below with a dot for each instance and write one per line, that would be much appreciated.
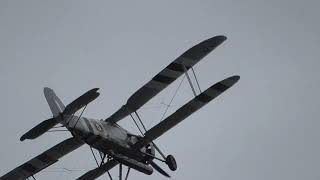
(81, 101)
(39, 129)
(159, 169)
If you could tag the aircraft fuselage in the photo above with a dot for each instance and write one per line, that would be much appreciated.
(106, 137)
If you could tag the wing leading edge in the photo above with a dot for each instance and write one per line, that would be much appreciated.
(169, 74)
(43, 160)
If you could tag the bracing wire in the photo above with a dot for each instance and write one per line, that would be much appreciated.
(135, 122)
(80, 116)
(174, 95)
(127, 175)
(66, 170)
(94, 156)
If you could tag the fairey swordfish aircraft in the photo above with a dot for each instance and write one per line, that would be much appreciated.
(115, 144)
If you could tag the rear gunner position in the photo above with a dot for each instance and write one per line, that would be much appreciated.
(115, 144)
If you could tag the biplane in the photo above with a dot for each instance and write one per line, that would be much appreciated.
(116, 145)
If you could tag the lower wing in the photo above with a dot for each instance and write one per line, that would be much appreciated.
(44, 160)
(97, 172)
(186, 110)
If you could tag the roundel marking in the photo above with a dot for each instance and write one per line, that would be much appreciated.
(98, 126)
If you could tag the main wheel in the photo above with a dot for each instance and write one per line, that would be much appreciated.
(171, 162)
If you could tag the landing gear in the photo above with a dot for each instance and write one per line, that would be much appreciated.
(171, 162)
(150, 151)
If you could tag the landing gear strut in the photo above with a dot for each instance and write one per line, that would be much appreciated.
(171, 162)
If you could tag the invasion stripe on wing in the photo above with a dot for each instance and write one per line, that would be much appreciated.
(216, 89)
(204, 98)
(163, 79)
(156, 85)
(220, 87)
(29, 168)
(170, 73)
(177, 67)
(45, 158)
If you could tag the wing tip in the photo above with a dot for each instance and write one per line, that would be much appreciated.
(213, 42)
(47, 89)
(22, 138)
(221, 37)
(230, 81)
(235, 78)
(218, 39)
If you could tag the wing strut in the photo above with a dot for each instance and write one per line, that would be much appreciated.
(190, 82)
(153, 164)
(195, 77)
(94, 156)
(120, 171)
(127, 175)
(102, 156)
(145, 130)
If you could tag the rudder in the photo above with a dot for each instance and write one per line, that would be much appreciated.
(55, 104)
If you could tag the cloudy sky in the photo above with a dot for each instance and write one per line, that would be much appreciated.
(265, 127)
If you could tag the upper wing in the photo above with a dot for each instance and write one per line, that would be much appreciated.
(186, 110)
(166, 77)
(44, 160)
(97, 172)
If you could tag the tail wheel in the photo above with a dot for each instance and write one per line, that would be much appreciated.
(171, 162)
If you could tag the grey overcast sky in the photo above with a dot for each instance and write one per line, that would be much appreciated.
(265, 127)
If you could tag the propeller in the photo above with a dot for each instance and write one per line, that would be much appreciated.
(159, 169)
(71, 108)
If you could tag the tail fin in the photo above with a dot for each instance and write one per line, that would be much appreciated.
(54, 102)
(56, 107)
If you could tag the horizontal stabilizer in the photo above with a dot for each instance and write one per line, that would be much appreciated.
(81, 101)
(186, 110)
(40, 129)
(73, 107)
